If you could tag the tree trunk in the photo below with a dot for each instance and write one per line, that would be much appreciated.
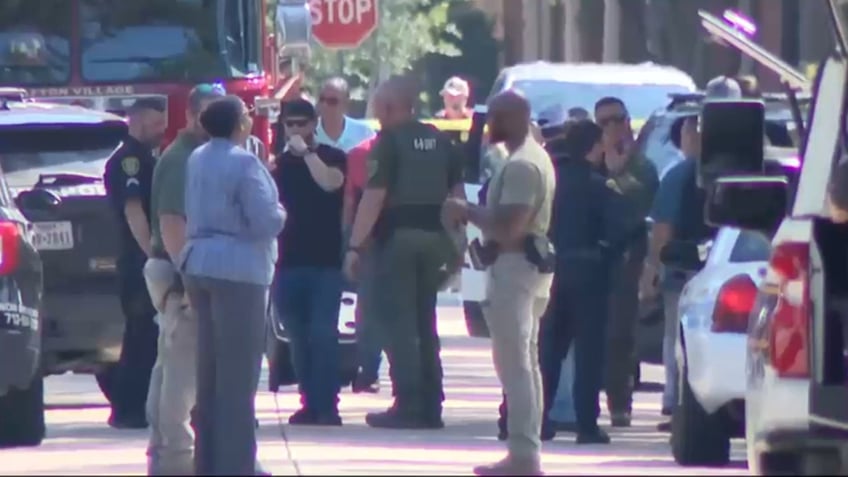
(633, 36)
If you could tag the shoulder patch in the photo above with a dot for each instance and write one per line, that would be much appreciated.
(611, 184)
(130, 165)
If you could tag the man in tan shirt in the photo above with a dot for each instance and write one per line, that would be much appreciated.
(519, 203)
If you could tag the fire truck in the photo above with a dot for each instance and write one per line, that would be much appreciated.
(104, 54)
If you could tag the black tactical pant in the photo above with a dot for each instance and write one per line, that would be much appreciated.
(139, 348)
(578, 317)
(621, 359)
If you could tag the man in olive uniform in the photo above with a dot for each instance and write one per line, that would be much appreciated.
(412, 169)
(128, 178)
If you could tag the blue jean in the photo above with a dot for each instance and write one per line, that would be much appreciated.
(563, 407)
(308, 301)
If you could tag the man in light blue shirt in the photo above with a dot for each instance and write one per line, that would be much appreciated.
(335, 128)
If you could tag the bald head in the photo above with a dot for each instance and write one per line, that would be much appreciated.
(509, 117)
(394, 101)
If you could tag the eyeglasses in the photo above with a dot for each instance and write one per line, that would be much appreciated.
(329, 100)
(603, 122)
(296, 123)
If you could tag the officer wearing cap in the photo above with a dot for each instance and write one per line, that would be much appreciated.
(412, 169)
(455, 95)
(128, 179)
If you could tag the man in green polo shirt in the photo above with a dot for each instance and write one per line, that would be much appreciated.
(172, 386)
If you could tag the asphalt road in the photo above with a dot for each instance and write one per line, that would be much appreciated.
(79, 442)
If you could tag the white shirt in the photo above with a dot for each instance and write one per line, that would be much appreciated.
(352, 135)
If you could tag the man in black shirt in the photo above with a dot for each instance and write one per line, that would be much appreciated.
(308, 285)
(128, 179)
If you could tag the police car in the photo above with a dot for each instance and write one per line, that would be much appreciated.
(53, 165)
(21, 326)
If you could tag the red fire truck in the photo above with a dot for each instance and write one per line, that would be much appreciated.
(104, 54)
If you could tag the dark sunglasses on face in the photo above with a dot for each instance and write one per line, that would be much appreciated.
(603, 122)
(329, 100)
(296, 123)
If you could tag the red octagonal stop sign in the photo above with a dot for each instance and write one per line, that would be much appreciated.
(343, 23)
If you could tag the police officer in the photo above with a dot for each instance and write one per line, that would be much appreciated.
(128, 178)
(412, 169)
(590, 225)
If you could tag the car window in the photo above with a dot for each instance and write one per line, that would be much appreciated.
(655, 144)
(750, 247)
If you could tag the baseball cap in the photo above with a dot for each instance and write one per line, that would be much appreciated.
(299, 108)
(723, 87)
(456, 86)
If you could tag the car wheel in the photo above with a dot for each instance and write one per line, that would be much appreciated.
(697, 437)
(106, 381)
(22, 416)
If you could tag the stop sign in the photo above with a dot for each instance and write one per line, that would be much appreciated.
(343, 23)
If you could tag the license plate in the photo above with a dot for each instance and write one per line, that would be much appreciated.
(53, 235)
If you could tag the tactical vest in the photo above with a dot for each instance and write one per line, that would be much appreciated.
(418, 184)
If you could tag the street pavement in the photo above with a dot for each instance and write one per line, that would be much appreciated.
(79, 442)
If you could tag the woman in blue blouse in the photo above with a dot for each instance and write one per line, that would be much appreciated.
(233, 217)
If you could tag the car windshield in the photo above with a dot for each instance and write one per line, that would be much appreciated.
(159, 40)
(35, 42)
(22, 169)
(641, 99)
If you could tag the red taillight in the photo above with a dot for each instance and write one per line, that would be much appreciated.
(734, 303)
(789, 334)
(10, 242)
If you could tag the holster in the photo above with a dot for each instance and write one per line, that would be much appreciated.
(539, 251)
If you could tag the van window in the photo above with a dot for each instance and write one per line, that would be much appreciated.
(750, 247)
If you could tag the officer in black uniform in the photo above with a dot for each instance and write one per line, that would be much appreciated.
(128, 178)
(591, 223)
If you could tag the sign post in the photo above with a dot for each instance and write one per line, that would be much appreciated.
(343, 24)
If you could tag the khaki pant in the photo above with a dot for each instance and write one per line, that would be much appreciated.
(517, 296)
(172, 391)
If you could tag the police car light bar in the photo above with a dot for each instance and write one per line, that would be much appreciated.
(735, 38)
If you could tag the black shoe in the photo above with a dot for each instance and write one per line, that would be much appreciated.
(666, 411)
(597, 436)
(502, 435)
(620, 419)
(395, 419)
(362, 385)
(565, 426)
(664, 426)
(330, 419)
(127, 422)
(303, 417)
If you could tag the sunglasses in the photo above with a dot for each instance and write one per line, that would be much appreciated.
(297, 123)
(329, 100)
(603, 122)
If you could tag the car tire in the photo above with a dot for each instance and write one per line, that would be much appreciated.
(106, 381)
(698, 438)
(22, 416)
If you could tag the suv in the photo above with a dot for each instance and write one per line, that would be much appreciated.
(21, 382)
(53, 164)
(797, 390)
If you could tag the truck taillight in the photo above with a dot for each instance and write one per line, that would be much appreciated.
(10, 242)
(789, 334)
(733, 306)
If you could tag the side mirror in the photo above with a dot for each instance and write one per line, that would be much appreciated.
(756, 203)
(682, 255)
(731, 139)
(293, 22)
(37, 199)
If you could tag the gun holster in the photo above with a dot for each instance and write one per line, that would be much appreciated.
(482, 256)
(540, 252)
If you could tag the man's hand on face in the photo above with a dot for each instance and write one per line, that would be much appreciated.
(298, 145)
(616, 153)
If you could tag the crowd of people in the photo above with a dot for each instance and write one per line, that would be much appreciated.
(214, 232)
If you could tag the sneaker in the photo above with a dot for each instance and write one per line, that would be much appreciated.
(620, 419)
(666, 411)
(664, 426)
(597, 436)
(127, 422)
(511, 466)
(303, 417)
